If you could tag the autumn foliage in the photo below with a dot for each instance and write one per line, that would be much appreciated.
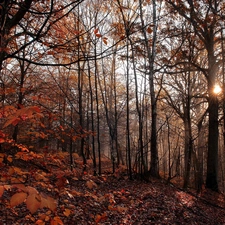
(107, 111)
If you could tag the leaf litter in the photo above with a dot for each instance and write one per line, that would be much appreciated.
(69, 197)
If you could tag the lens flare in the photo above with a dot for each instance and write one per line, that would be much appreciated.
(217, 89)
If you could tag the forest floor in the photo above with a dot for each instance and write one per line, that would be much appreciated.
(107, 199)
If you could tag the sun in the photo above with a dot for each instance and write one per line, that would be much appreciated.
(217, 89)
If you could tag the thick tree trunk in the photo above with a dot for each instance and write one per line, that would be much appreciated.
(212, 160)
(213, 106)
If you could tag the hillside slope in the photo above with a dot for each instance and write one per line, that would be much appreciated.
(51, 194)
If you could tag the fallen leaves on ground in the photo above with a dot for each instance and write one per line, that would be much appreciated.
(61, 197)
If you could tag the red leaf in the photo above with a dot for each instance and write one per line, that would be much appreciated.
(149, 30)
(105, 40)
(98, 35)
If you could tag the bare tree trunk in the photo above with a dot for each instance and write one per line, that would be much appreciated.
(143, 167)
(128, 119)
(96, 73)
(92, 120)
(188, 150)
(128, 138)
(213, 105)
(80, 96)
(169, 149)
(151, 52)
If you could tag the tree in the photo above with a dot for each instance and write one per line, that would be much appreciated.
(151, 54)
(204, 19)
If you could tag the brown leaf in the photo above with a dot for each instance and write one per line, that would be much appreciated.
(91, 184)
(149, 30)
(98, 35)
(61, 182)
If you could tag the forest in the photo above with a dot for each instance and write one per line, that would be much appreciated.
(96, 92)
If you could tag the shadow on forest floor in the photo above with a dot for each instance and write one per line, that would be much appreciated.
(82, 198)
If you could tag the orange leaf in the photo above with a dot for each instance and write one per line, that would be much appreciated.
(33, 202)
(67, 212)
(96, 31)
(105, 41)
(56, 221)
(11, 171)
(48, 202)
(7, 187)
(17, 199)
(14, 121)
(1, 191)
(51, 203)
(98, 218)
(9, 158)
(44, 202)
(32, 190)
(121, 209)
(2, 156)
(112, 208)
(40, 222)
(21, 187)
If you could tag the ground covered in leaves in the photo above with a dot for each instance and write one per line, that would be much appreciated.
(61, 196)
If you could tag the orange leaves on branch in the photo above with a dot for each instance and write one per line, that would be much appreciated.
(95, 31)
(105, 40)
(22, 114)
(149, 30)
(98, 35)
(51, 52)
